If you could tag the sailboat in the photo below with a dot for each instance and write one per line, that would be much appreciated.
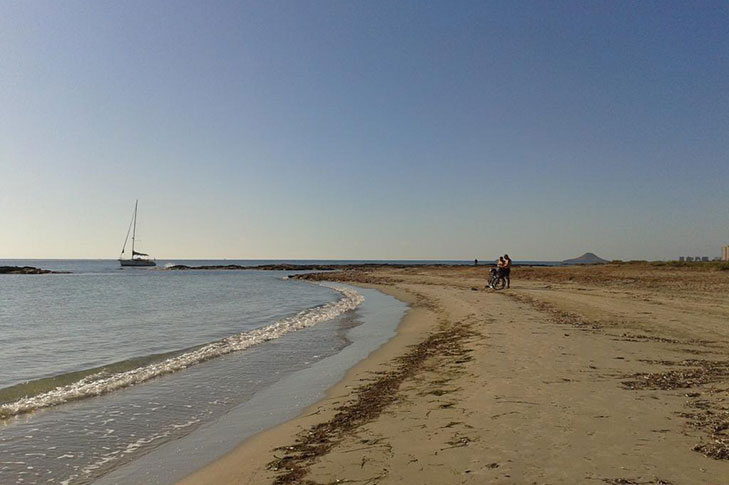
(137, 259)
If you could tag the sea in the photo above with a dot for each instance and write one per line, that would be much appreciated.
(142, 375)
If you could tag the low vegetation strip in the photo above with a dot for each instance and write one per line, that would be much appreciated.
(670, 275)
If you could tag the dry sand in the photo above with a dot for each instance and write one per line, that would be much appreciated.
(615, 374)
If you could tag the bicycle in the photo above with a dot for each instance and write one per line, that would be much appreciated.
(496, 280)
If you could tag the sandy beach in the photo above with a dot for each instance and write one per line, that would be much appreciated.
(611, 374)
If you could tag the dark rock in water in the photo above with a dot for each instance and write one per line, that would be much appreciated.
(279, 267)
(268, 267)
(23, 270)
(587, 258)
(304, 267)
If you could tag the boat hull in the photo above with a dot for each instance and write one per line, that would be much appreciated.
(137, 262)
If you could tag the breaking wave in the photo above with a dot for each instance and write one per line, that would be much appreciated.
(103, 382)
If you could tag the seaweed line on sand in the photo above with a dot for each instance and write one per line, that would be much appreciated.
(354, 276)
(556, 315)
(628, 481)
(701, 372)
(368, 403)
(707, 414)
(712, 417)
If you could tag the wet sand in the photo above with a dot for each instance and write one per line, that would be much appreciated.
(615, 374)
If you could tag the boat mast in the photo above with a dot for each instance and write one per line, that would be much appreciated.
(134, 232)
(126, 239)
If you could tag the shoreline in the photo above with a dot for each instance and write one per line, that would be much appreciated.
(353, 337)
(265, 385)
(256, 448)
(609, 375)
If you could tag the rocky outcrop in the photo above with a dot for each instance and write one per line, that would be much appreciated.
(288, 267)
(23, 270)
(278, 267)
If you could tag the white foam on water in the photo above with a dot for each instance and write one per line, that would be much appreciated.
(101, 383)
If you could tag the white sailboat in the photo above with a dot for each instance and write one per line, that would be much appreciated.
(137, 259)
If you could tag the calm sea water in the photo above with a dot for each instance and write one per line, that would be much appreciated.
(103, 366)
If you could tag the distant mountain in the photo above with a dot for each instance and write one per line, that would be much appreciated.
(587, 258)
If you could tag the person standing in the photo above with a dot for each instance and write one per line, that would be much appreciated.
(506, 270)
(500, 264)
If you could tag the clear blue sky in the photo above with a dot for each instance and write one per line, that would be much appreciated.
(314, 129)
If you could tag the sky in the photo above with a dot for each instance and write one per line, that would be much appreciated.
(364, 129)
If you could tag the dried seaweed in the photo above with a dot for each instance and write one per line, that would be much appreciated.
(704, 372)
(369, 402)
(628, 481)
(555, 314)
(718, 449)
(630, 337)
(457, 442)
(706, 413)
(712, 418)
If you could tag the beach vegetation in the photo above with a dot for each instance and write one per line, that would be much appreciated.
(697, 265)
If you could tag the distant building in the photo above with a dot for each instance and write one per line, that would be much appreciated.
(725, 253)
(698, 259)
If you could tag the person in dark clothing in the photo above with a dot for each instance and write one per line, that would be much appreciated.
(506, 269)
